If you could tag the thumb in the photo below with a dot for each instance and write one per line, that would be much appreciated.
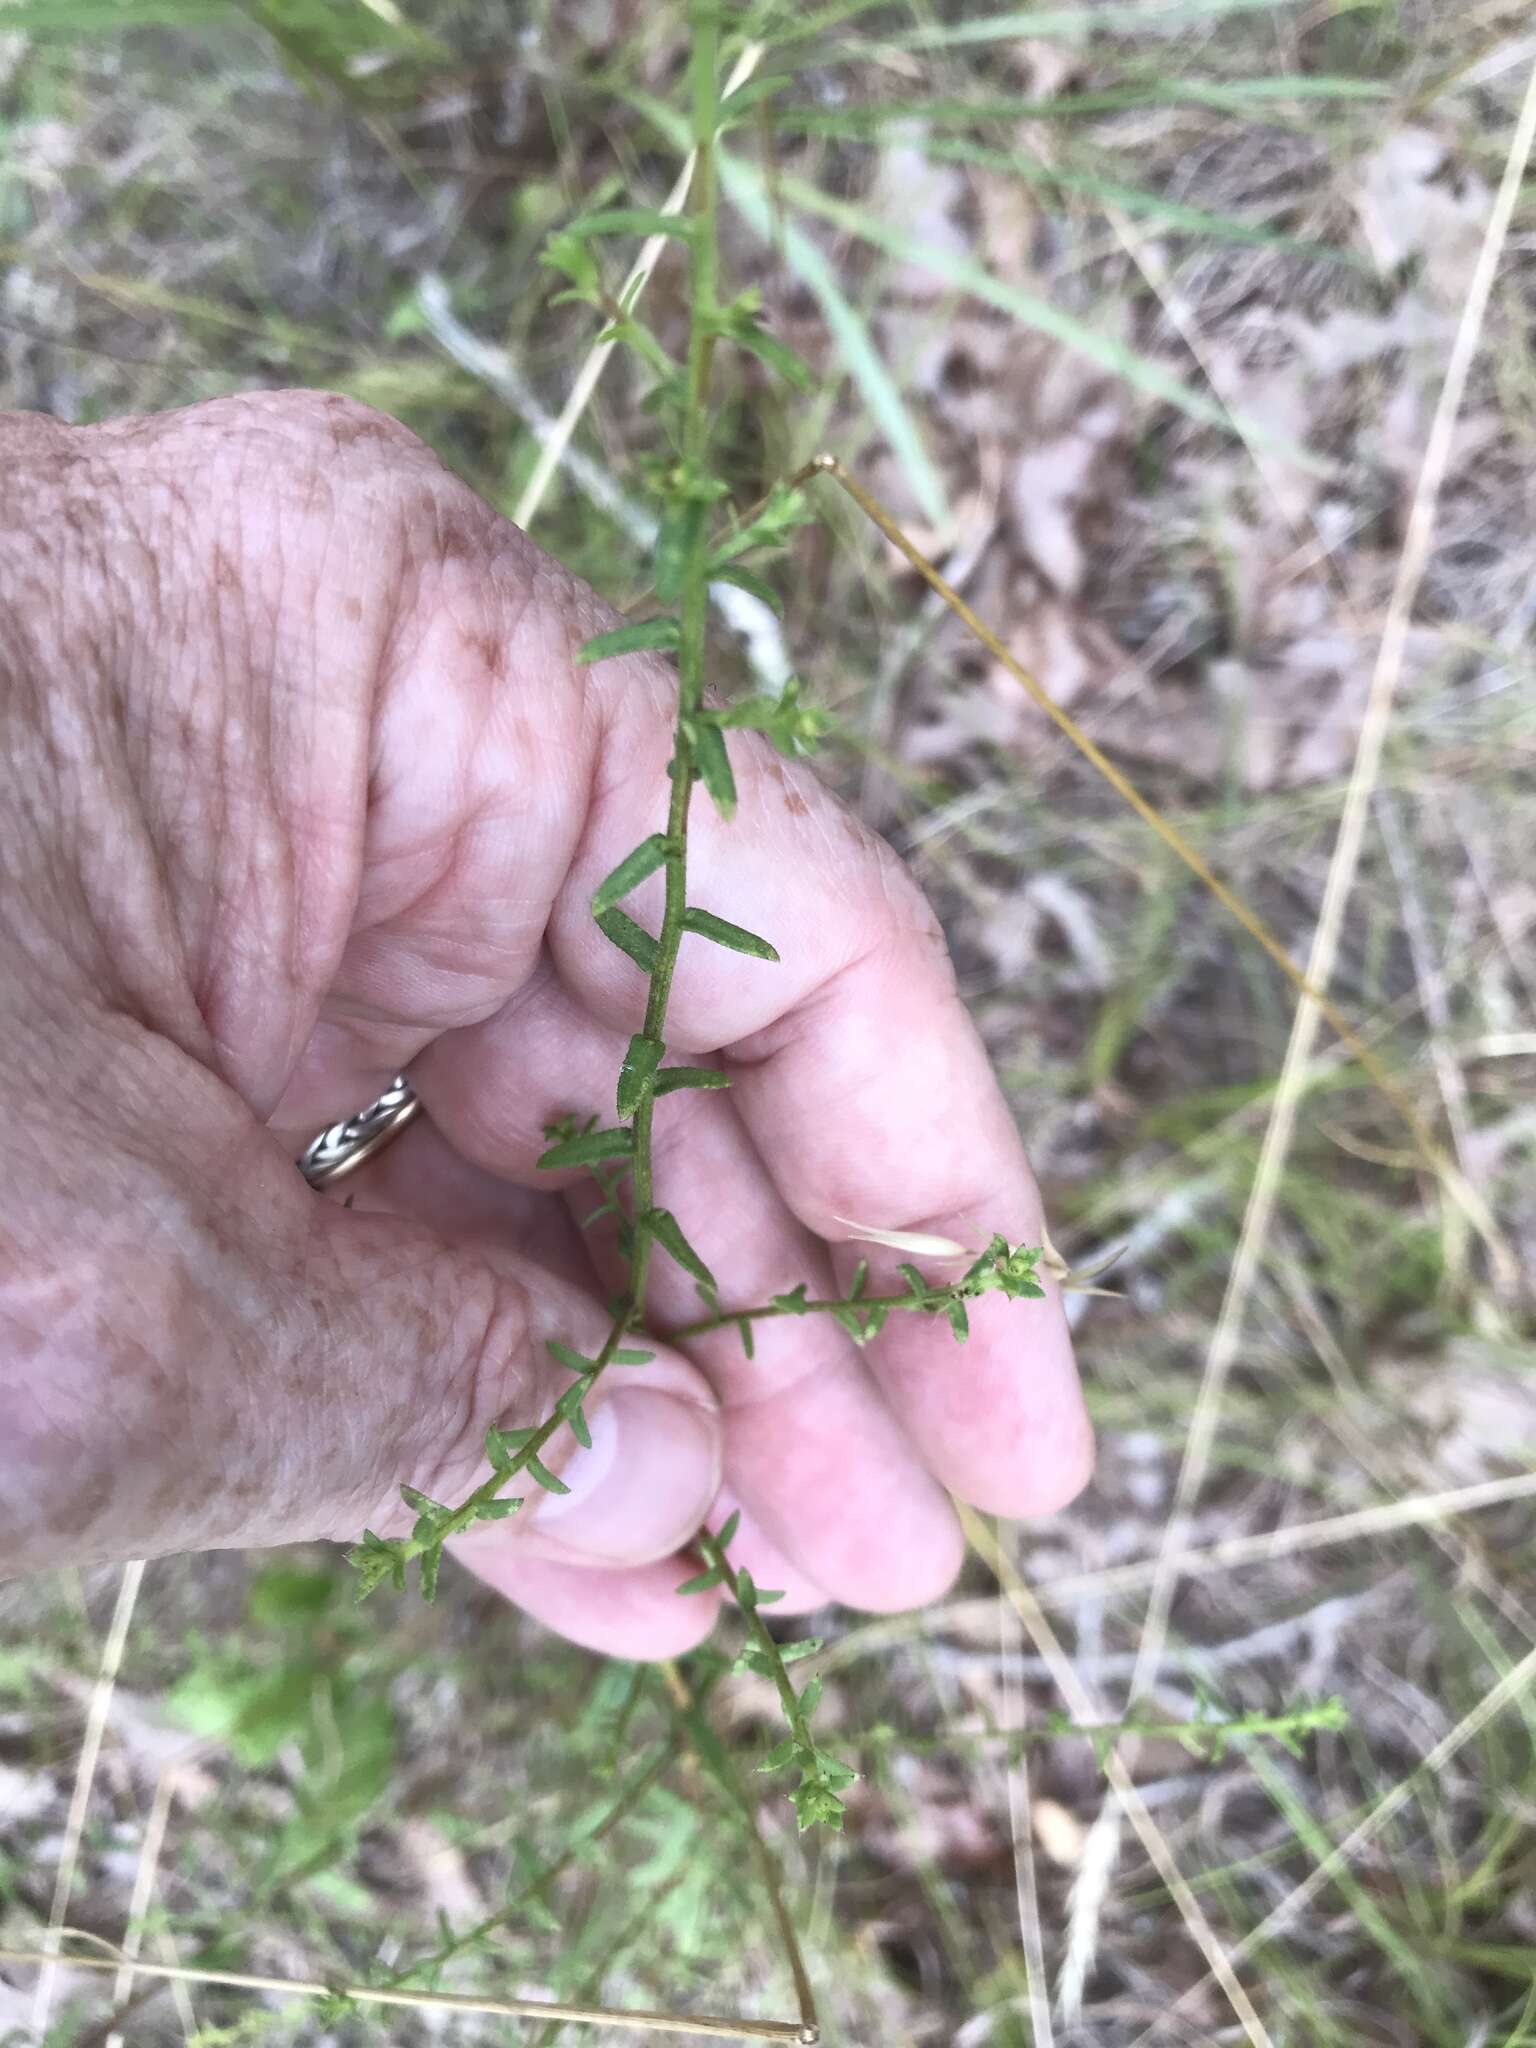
(196, 1350)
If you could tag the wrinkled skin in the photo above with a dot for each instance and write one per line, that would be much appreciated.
(300, 783)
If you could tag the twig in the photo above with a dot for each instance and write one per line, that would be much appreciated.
(717, 2028)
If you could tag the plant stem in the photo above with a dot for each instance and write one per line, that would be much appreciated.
(695, 598)
(770, 1311)
(709, 1548)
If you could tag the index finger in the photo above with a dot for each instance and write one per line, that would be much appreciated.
(861, 1078)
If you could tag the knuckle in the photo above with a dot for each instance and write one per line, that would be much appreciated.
(480, 1367)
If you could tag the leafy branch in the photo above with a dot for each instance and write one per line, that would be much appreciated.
(1209, 1735)
(698, 544)
(1000, 1269)
(823, 1777)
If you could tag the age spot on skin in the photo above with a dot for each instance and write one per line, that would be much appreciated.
(794, 802)
(486, 649)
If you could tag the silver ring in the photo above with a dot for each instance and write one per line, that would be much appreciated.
(341, 1148)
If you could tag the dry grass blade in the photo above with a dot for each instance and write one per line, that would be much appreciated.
(85, 1776)
(144, 1875)
(700, 2025)
(1021, 1823)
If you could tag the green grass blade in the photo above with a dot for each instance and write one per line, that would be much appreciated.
(1138, 199)
(1051, 22)
(1226, 95)
(1030, 310)
(92, 17)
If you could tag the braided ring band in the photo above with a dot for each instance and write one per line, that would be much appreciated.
(341, 1148)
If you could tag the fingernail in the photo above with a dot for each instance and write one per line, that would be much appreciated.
(642, 1488)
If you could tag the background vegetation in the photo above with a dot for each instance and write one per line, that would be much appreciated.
(1137, 316)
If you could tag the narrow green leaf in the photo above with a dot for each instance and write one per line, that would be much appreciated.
(725, 1535)
(748, 1343)
(767, 347)
(860, 1280)
(752, 94)
(570, 1410)
(702, 1582)
(496, 1450)
(671, 1079)
(664, 1227)
(627, 332)
(622, 931)
(649, 633)
(916, 1284)
(632, 1358)
(810, 1697)
(636, 867)
(568, 1356)
(630, 220)
(755, 586)
(792, 1304)
(546, 1478)
(498, 1509)
(513, 1440)
(587, 1148)
(791, 1653)
(959, 1321)
(705, 925)
(776, 1759)
(423, 1503)
(772, 526)
(714, 766)
(638, 1071)
(431, 1562)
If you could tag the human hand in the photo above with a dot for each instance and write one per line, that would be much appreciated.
(300, 784)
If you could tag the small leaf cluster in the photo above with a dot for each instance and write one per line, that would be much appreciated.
(817, 1797)
(1213, 1731)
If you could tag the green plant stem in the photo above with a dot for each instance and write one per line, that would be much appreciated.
(695, 599)
(931, 1302)
(1209, 1739)
(714, 1555)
